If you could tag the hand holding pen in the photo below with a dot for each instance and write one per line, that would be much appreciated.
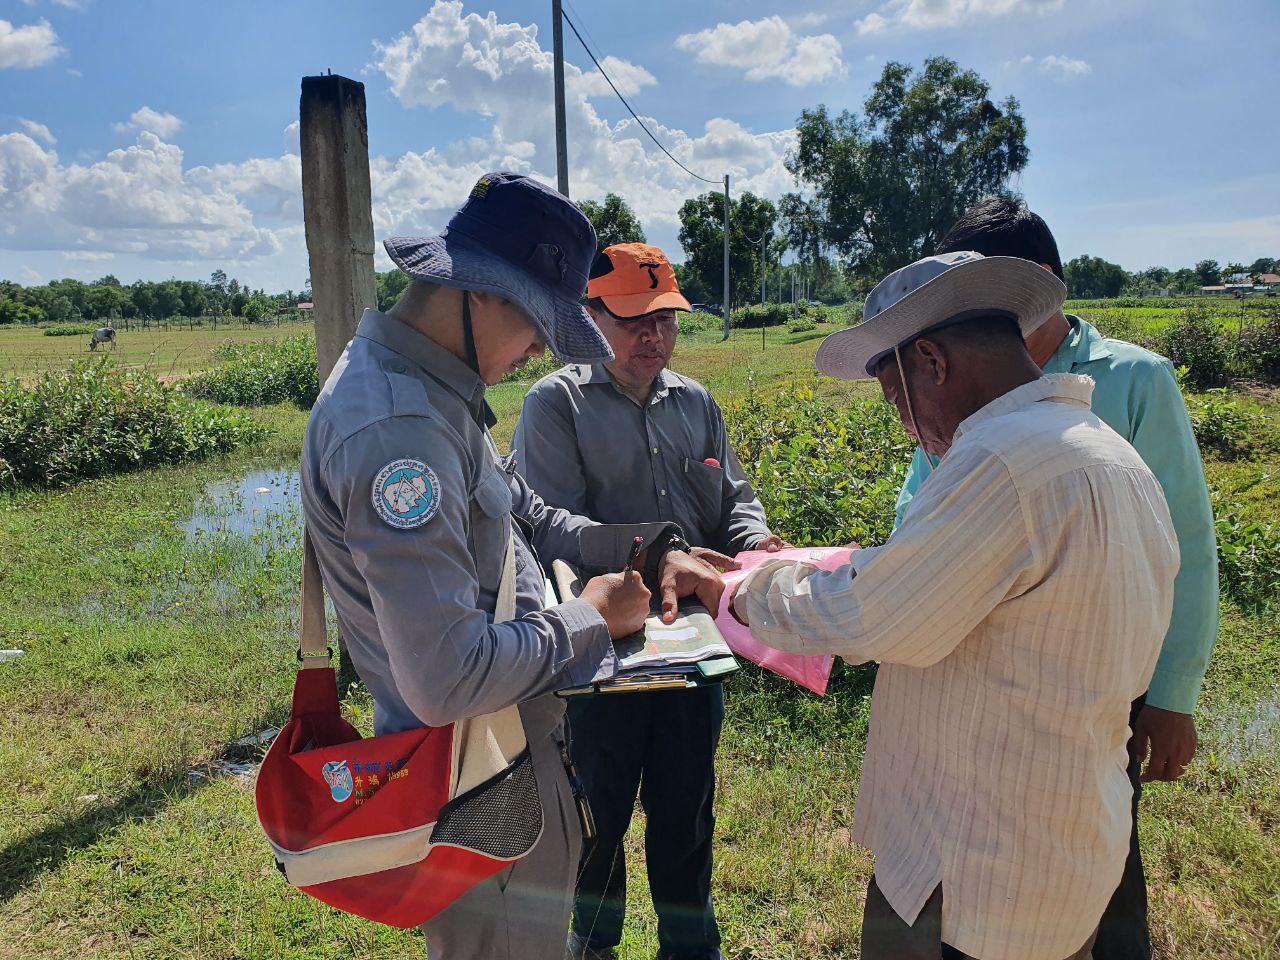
(622, 599)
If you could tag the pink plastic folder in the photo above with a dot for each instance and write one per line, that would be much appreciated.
(811, 672)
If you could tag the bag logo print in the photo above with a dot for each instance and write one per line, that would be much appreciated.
(338, 776)
(406, 494)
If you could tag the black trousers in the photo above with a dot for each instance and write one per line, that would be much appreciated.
(662, 746)
(886, 936)
(1123, 932)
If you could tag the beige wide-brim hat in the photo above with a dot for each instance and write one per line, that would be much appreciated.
(936, 292)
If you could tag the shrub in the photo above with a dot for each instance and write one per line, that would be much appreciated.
(1195, 342)
(766, 315)
(802, 324)
(825, 474)
(1248, 556)
(1258, 351)
(94, 420)
(1222, 425)
(699, 322)
(71, 329)
(268, 371)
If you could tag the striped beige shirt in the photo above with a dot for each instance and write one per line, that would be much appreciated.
(1016, 613)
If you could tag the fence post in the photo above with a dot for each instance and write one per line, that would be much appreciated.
(337, 210)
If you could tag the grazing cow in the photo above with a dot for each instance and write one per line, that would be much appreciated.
(105, 334)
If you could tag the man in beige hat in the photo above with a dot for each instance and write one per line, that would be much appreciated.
(1016, 612)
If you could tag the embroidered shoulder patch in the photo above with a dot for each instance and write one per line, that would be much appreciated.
(406, 494)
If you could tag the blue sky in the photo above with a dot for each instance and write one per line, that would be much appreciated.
(152, 139)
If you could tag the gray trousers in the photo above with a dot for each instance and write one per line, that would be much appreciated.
(523, 912)
(886, 936)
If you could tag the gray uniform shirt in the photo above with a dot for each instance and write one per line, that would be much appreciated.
(592, 449)
(412, 555)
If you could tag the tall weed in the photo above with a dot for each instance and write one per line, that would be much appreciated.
(94, 420)
(1258, 349)
(255, 374)
(1248, 556)
(825, 474)
(1195, 342)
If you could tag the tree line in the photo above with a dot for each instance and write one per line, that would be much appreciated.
(878, 190)
(107, 299)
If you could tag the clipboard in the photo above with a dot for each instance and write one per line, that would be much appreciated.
(644, 677)
(707, 672)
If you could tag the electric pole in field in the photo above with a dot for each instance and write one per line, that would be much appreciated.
(562, 137)
(726, 258)
(764, 271)
(764, 265)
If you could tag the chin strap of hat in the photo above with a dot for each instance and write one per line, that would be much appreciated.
(469, 334)
(906, 395)
(486, 417)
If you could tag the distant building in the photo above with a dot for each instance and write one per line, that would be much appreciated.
(1214, 291)
(306, 305)
(1269, 280)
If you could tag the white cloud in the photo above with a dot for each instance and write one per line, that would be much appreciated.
(807, 21)
(292, 143)
(871, 23)
(147, 210)
(24, 47)
(39, 131)
(138, 200)
(501, 71)
(1064, 66)
(628, 77)
(767, 49)
(144, 119)
(930, 14)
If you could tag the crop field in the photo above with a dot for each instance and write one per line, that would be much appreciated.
(25, 352)
(157, 610)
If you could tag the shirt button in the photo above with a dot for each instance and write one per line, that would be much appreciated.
(663, 492)
(654, 450)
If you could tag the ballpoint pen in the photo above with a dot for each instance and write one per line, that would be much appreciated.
(636, 545)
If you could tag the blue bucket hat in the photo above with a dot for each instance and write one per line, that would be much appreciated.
(523, 241)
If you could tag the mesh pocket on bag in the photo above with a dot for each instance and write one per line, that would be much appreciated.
(500, 818)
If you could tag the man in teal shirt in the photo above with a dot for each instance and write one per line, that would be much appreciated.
(1137, 395)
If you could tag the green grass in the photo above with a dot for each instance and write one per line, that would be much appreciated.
(25, 352)
(149, 653)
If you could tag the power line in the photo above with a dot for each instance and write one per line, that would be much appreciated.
(637, 119)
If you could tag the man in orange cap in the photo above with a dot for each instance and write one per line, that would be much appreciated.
(624, 440)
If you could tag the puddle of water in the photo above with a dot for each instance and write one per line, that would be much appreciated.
(1254, 730)
(265, 501)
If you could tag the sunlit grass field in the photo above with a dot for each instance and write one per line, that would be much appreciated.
(151, 649)
(26, 353)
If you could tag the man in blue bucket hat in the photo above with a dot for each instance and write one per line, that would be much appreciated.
(412, 512)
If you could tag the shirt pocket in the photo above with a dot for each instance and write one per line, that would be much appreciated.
(706, 485)
(490, 514)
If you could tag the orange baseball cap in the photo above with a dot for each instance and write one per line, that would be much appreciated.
(634, 279)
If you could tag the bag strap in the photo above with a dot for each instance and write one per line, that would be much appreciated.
(313, 645)
(506, 606)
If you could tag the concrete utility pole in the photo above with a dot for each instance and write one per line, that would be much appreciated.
(337, 209)
(726, 258)
(562, 136)
(764, 265)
